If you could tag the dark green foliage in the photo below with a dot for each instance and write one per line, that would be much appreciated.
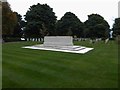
(18, 28)
(32, 29)
(17, 31)
(40, 21)
(116, 27)
(97, 26)
(69, 25)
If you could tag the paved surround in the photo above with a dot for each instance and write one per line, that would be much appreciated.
(70, 49)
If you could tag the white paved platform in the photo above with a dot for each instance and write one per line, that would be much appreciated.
(70, 49)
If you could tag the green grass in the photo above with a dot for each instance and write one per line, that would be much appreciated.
(26, 68)
(0, 66)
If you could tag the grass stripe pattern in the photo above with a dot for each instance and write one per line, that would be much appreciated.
(26, 68)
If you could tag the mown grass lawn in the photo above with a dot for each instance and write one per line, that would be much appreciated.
(26, 68)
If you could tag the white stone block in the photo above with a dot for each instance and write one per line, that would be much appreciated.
(27, 39)
(58, 41)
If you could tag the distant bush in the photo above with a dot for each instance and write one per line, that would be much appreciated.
(12, 39)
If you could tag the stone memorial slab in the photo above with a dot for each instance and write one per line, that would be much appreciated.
(60, 43)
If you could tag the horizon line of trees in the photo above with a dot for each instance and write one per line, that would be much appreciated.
(40, 21)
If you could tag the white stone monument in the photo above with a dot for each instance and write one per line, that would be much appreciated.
(60, 43)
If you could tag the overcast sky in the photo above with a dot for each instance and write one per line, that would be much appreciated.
(81, 8)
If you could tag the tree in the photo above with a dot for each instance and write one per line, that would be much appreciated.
(116, 27)
(0, 19)
(9, 20)
(69, 25)
(40, 21)
(18, 30)
(97, 27)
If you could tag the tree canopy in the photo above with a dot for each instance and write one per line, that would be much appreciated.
(116, 26)
(69, 25)
(97, 26)
(18, 28)
(9, 20)
(40, 20)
